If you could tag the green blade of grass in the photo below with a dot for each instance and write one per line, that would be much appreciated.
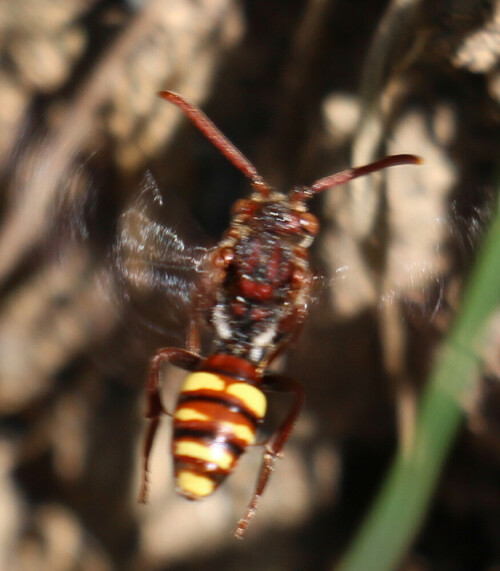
(399, 510)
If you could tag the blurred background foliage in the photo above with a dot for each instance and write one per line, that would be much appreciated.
(304, 89)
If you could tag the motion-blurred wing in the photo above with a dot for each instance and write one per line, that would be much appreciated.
(158, 271)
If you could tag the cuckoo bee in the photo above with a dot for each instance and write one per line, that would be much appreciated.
(254, 296)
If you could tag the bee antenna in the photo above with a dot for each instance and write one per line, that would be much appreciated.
(349, 174)
(220, 141)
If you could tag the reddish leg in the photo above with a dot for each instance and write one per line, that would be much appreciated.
(275, 443)
(193, 341)
(154, 408)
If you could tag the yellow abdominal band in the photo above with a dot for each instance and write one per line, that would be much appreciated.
(213, 453)
(194, 485)
(252, 397)
(203, 381)
(241, 431)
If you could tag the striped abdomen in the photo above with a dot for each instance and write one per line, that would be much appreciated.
(215, 420)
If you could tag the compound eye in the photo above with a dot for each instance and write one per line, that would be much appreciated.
(309, 223)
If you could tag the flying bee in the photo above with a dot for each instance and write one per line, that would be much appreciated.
(252, 290)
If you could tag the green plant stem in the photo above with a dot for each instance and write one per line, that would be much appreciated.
(397, 515)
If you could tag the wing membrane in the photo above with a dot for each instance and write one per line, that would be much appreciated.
(159, 272)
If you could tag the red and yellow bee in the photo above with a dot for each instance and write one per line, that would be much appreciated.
(254, 297)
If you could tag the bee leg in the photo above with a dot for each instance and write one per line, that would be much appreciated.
(193, 336)
(154, 407)
(274, 444)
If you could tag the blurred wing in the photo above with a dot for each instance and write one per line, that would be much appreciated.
(417, 286)
(159, 273)
(421, 273)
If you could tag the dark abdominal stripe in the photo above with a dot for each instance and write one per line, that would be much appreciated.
(226, 401)
(208, 437)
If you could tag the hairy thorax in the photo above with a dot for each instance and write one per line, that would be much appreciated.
(262, 290)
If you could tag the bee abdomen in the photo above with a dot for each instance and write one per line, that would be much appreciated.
(215, 420)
